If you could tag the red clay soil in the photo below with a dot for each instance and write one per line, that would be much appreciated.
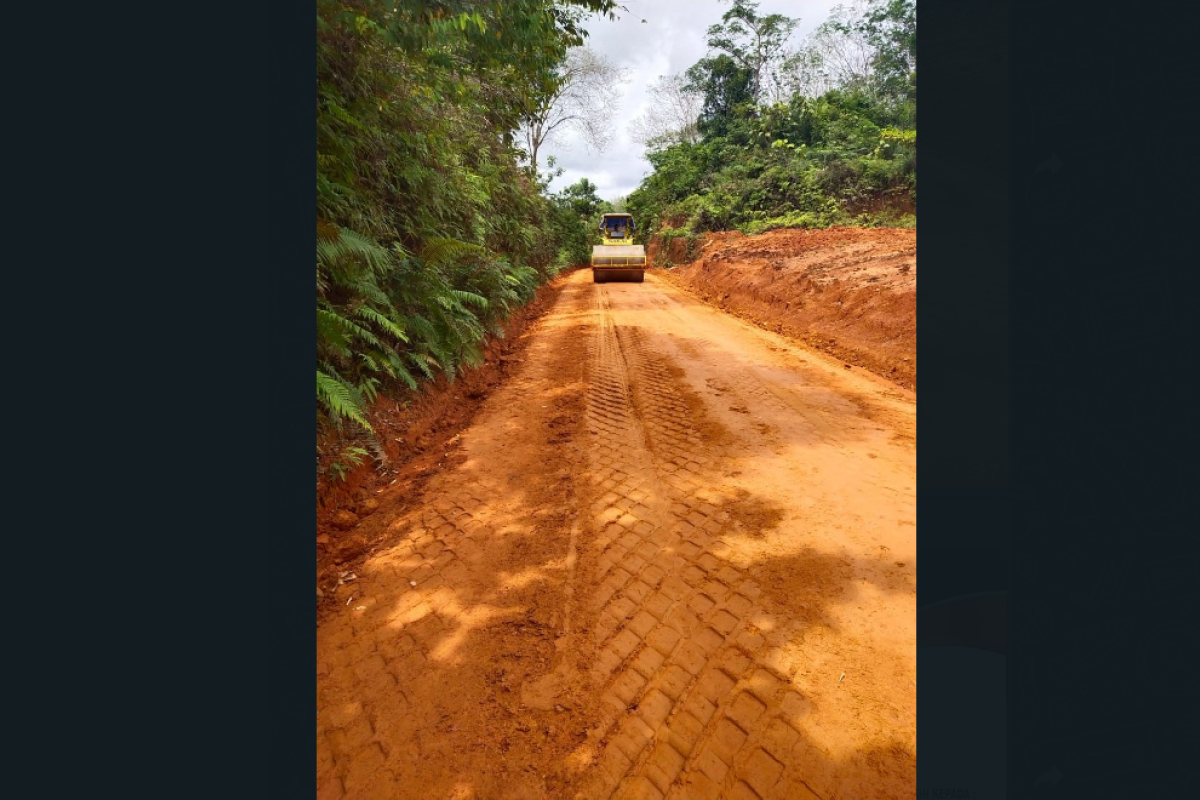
(419, 430)
(849, 292)
(672, 556)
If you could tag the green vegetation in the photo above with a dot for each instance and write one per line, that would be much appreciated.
(580, 209)
(433, 222)
(824, 135)
(429, 227)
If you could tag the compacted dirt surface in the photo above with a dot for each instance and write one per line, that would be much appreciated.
(673, 555)
(849, 292)
(419, 431)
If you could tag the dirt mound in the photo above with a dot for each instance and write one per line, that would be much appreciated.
(850, 292)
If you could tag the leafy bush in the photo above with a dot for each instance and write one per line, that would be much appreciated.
(804, 161)
(429, 229)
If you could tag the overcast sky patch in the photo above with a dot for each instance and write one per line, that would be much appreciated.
(671, 40)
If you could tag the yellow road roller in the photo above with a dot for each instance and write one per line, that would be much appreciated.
(617, 258)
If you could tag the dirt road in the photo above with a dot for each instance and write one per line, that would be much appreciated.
(674, 556)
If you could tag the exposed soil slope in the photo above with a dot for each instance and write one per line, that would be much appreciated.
(850, 292)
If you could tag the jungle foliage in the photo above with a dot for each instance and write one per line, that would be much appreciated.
(428, 228)
(773, 152)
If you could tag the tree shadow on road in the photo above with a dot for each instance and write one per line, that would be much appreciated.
(423, 678)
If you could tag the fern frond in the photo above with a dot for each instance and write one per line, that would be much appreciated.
(470, 297)
(330, 328)
(441, 252)
(371, 363)
(355, 248)
(472, 354)
(338, 400)
(369, 388)
(330, 320)
(373, 293)
(337, 112)
(332, 372)
(425, 363)
(399, 371)
(371, 315)
(422, 327)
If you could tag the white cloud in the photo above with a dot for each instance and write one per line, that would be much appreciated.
(671, 40)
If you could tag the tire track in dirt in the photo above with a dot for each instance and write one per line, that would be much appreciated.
(701, 705)
(563, 614)
(843, 558)
(440, 672)
(751, 387)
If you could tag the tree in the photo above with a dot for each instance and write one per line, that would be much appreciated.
(837, 55)
(584, 97)
(725, 86)
(671, 117)
(428, 229)
(755, 43)
(582, 198)
(840, 150)
(891, 28)
(579, 208)
(867, 47)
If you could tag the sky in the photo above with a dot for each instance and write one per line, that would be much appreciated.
(671, 40)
